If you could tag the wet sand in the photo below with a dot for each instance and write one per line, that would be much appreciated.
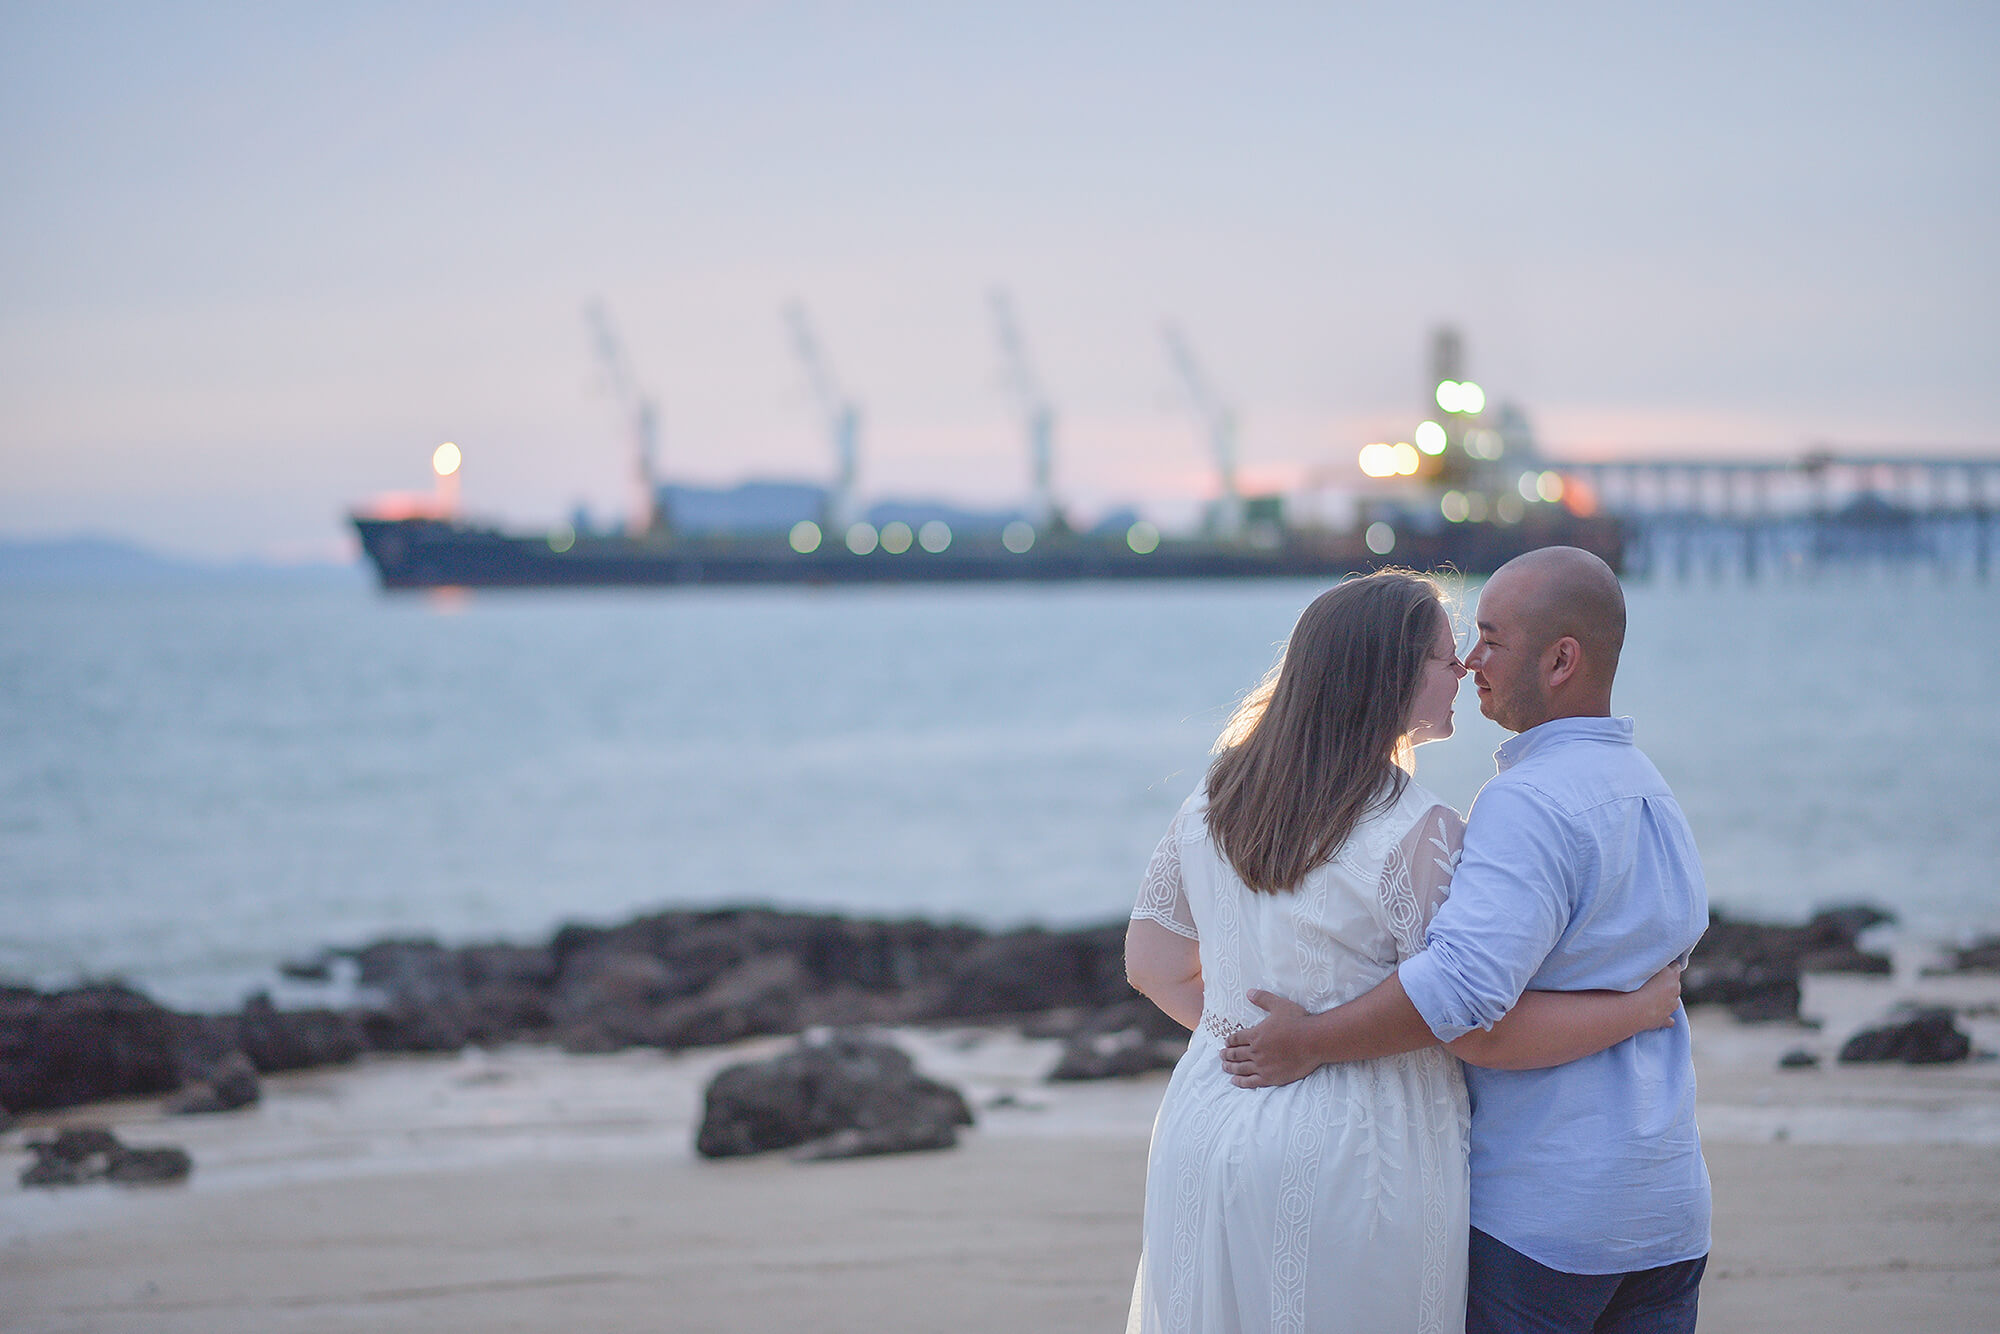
(526, 1190)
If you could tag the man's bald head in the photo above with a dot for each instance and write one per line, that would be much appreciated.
(1558, 591)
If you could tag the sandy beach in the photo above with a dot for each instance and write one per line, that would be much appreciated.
(527, 1190)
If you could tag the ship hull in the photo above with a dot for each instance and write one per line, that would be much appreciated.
(420, 553)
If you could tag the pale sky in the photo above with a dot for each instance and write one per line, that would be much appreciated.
(257, 261)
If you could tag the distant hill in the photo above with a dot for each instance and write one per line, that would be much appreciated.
(103, 562)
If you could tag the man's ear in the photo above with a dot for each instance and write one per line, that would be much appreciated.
(1565, 660)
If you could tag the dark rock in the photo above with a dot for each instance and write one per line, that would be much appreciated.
(1844, 959)
(91, 1155)
(78, 1156)
(232, 1084)
(1111, 1055)
(1798, 1058)
(633, 1001)
(78, 1144)
(410, 970)
(1923, 1037)
(147, 1167)
(866, 1092)
(276, 1040)
(913, 1137)
(319, 968)
(1768, 1001)
(85, 1045)
(1982, 955)
(1754, 967)
(1027, 971)
(759, 996)
(410, 1025)
(1845, 922)
(1138, 1013)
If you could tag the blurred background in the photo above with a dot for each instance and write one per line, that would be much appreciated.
(257, 263)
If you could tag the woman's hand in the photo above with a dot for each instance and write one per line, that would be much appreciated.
(1661, 997)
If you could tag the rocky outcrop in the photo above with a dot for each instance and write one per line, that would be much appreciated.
(682, 979)
(1981, 956)
(85, 1045)
(1921, 1037)
(79, 1156)
(275, 1040)
(842, 1097)
(1754, 968)
(229, 1085)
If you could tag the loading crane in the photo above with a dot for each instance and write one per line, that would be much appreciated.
(1218, 423)
(642, 419)
(842, 416)
(1036, 415)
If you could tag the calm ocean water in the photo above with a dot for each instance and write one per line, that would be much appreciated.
(198, 783)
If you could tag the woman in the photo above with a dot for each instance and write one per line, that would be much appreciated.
(1308, 865)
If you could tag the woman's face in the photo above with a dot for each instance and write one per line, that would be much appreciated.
(1437, 687)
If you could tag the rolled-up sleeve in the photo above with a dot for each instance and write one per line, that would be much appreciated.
(1510, 903)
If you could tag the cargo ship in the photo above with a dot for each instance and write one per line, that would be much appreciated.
(1440, 501)
(419, 552)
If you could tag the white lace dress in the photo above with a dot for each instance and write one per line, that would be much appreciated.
(1337, 1203)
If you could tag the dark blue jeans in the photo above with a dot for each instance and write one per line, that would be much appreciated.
(1511, 1294)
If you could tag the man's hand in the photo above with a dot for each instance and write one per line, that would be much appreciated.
(1273, 1052)
(1662, 996)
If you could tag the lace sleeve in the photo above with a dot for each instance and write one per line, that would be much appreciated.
(1417, 877)
(1162, 898)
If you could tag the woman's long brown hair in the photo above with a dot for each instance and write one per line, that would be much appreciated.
(1315, 746)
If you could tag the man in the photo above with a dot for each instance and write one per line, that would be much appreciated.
(1590, 1200)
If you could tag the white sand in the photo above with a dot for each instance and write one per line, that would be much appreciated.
(528, 1190)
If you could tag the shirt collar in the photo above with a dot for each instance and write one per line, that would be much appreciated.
(1558, 730)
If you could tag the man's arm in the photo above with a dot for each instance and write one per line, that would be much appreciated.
(1508, 906)
(1556, 1027)
(1547, 1028)
(1291, 1044)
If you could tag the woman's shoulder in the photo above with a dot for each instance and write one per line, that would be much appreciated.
(1392, 824)
(1418, 802)
(1191, 820)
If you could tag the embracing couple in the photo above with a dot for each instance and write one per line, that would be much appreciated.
(1439, 1076)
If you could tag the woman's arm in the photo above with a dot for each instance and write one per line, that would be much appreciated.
(1166, 968)
(1555, 1027)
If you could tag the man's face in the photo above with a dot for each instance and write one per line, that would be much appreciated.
(1505, 660)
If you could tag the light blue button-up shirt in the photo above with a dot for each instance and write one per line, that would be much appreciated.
(1579, 872)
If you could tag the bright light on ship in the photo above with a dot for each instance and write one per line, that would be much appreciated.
(1430, 438)
(896, 537)
(1018, 536)
(861, 538)
(1447, 395)
(934, 536)
(1454, 507)
(1471, 398)
(1549, 486)
(561, 538)
(1529, 486)
(1143, 538)
(1406, 459)
(445, 459)
(805, 536)
(1378, 460)
(1381, 538)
